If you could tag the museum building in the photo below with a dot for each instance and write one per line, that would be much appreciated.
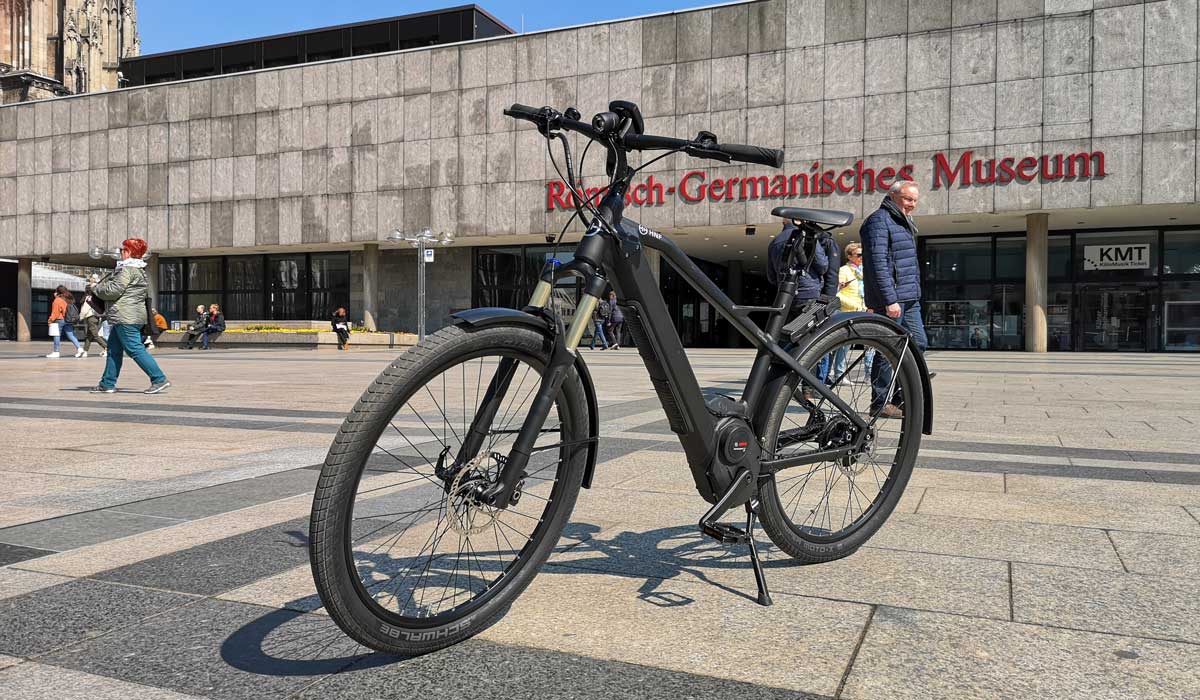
(1054, 144)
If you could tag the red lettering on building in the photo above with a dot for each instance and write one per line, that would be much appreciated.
(965, 170)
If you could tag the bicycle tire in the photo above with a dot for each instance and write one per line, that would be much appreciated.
(808, 544)
(332, 558)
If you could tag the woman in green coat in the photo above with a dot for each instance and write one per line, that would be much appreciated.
(125, 290)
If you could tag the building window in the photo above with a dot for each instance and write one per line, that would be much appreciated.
(244, 287)
(1010, 258)
(959, 316)
(287, 294)
(330, 285)
(1181, 316)
(204, 284)
(958, 259)
(1058, 317)
(170, 290)
(1125, 255)
(1059, 257)
(1181, 253)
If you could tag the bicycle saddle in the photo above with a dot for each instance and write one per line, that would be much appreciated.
(826, 217)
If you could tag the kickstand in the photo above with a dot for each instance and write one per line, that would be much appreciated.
(764, 596)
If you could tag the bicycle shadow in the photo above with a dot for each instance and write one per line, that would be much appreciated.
(296, 641)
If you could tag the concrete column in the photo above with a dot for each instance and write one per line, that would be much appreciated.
(370, 289)
(152, 279)
(1037, 253)
(25, 299)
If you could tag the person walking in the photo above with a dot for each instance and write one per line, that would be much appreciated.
(91, 312)
(892, 280)
(850, 294)
(63, 317)
(616, 322)
(126, 290)
(214, 327)
(196, 328)
(599, 318)
(341, 326)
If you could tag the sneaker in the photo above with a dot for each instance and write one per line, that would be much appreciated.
(53, 355)
(157, 388)
(103, 353)
(80, 353)
(149, 346)
(101, 389)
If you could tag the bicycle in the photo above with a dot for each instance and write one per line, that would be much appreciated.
(451, 479)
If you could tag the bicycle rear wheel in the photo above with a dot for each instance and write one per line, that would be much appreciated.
(405, 560)
(826, 511)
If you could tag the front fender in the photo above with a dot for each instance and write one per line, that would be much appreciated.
(544, 323)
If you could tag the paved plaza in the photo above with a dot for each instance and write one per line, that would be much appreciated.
(1047, 546)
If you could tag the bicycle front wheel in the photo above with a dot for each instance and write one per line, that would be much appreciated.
(826, 511)
(405, 560)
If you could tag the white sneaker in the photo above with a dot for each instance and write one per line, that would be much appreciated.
(149, 346)
(53, 355)
(79, 352)
(103, 353)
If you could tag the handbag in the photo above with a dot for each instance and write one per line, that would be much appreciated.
(55, 329)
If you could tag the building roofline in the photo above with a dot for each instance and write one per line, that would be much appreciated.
(301, 32)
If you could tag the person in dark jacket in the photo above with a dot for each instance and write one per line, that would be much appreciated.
(214, 327)
(341, 326)
(892, 280)
(616, 321)
(197, 327)
(812, 282)
(91, 312)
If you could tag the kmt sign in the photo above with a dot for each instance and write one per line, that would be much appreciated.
(1128, 256)
(968, 170)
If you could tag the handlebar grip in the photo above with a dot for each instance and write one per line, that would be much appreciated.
(771, 157)
(520, 111)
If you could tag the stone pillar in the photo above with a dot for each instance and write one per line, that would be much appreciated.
(25, 299)
(370, 290)
(1037, 252)
(152, 279)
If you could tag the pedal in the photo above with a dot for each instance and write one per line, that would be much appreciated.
(725, 533)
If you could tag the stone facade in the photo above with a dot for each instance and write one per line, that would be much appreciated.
(55, 47)
(338, 154)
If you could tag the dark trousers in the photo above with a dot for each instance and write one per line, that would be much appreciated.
(343, 336)
(92, 332)
(189, 338)
(614, 331)
(881, 369)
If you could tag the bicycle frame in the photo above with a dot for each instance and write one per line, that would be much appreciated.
(602, 259)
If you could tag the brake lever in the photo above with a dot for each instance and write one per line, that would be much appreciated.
(705, 146)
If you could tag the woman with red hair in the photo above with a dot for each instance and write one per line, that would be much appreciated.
(126, 290)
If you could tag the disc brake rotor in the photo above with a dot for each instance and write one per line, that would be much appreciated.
(468, 515)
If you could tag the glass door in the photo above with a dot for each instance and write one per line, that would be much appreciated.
(1114, 317)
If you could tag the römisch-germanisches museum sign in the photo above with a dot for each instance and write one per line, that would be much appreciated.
(967, 171)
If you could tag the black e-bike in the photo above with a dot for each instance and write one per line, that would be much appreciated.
(450, 481)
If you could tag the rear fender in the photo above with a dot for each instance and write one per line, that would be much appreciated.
(544, 322)
(881, 326)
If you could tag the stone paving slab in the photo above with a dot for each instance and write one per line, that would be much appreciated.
(1059, 511)
(6, 661)
(928, 656)
(1133, 494)
(1056, 545)
(876, 576)
(1101, 601)
(676, 623)
(82, 529)
(15, 582)
(62, 615)
(12, 553)
(1161, 555)
(34, 681)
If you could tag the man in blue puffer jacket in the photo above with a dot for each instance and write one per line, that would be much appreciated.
(892, 280)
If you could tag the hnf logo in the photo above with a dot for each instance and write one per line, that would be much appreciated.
(1128, 256)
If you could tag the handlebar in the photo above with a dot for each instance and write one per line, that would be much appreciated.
(703, 146)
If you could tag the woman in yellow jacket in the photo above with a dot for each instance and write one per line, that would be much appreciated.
(850, 293)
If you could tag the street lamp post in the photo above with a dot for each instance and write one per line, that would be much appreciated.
(421, 240)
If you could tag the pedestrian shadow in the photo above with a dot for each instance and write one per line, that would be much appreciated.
(294, 641)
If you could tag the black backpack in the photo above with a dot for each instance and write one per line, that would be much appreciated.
(72, 315)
